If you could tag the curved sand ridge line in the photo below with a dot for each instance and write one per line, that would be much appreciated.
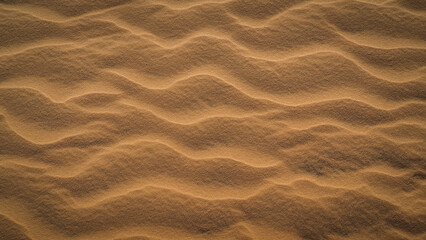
(279, 80)
(241, 133)
(212, 119)
(248, 36)
(132, 204)
(347, 111)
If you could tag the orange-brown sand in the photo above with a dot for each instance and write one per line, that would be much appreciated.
(212, 119)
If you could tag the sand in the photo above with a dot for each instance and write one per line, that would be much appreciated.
(212, 119)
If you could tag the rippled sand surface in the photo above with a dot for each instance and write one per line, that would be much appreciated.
(212, 119)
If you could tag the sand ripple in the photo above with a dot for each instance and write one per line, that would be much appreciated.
(212, 119)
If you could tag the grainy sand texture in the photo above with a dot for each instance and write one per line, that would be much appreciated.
(212, 119)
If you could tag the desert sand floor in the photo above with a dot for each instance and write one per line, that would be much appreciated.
(212, 119)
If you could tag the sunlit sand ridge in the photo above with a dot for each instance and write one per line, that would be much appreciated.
(212, 119)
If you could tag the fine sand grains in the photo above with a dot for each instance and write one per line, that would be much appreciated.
(212, 119)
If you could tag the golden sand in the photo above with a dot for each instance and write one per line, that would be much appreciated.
(212, 119)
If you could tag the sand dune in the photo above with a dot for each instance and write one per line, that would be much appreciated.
(212, 119)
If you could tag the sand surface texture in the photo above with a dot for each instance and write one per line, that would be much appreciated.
(212, 119)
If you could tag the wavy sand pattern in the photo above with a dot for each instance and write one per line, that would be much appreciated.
(212, 119)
